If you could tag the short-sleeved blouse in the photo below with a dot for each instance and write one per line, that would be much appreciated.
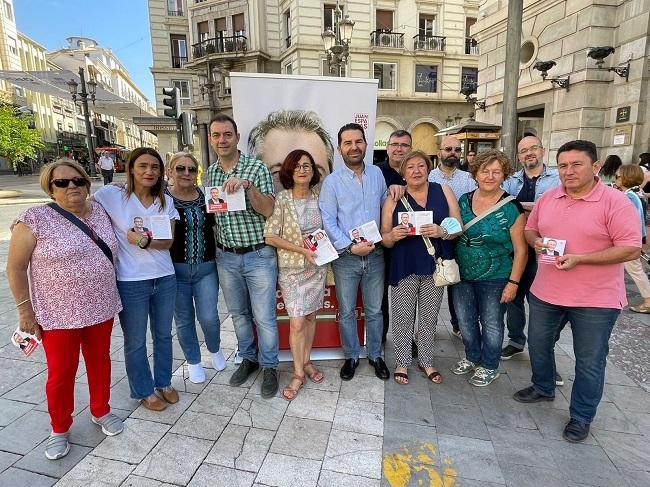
(72, 282)
(194, 233)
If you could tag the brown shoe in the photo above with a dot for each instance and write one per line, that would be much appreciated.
(169, 394)
(154, 403)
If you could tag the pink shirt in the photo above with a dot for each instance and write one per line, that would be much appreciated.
(72, 283)
(597, 221)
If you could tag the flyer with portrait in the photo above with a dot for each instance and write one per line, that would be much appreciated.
(25, 341)
(156, 227)
(368, 232)
(413, 220)
(554, 248)
(218, 201)
(319, 242)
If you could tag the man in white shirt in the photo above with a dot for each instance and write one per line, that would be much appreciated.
(106, 166)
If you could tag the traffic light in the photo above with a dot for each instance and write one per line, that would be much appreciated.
(173, 101)
(187, 128)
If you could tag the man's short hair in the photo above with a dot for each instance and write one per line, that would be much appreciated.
(400, 133)
(585, 146)
(351, 126)
(291, 120)
(644, 158)
(222, 117)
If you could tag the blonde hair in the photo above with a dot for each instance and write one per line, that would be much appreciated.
(45, 178)
(413, 155)
(631, 175)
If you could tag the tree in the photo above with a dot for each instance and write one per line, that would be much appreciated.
(18, 139)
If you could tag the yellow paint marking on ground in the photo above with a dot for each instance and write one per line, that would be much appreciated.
(405, 468)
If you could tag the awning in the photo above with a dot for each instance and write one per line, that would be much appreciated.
(55, 83)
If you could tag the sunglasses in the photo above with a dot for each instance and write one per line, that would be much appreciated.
(453, 149)
(64, 182)
(182, 169)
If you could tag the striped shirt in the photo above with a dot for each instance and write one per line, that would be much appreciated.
(241, 228)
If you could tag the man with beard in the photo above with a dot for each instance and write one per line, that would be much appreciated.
(460, 182)
(526, 185)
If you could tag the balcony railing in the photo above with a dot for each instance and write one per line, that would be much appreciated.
(380, 38)
(175, 13)
(220, 45)
(471, 46)
(429, 43)
(179, 61)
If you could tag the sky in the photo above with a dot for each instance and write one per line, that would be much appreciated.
(122, 25)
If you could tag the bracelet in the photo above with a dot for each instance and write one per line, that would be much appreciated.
(140, 241)
(23, 302)
(250, 185)
(512, 281)
(445, 233)
(149, 239)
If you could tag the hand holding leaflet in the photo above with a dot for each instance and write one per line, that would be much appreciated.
(25, 341)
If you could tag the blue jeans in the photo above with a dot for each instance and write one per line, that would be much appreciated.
(350, 271)
(197, 285)
(153, 300)
(515, 309)
(480, 316)
(591, 328)
(248, 282)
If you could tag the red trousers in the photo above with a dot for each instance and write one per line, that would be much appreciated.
(62, 353)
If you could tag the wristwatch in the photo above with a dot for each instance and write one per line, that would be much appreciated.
(348, 249)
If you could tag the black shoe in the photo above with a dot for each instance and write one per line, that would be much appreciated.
(529, 394)
(559, 381)
(414, 349)
(347, 371)
(575, 431)
(269, 383)
(245, 369)
(381, 371)
(508, 352)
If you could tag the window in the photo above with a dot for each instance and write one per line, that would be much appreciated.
(471, 46)
(59, 125)
(328, 17)
(238, 25)
(179, 50)
(184, 88)
(286, 25)
(427, 25)
(203, 31)
(220, 29)
(325, 69)
(8, 10)
(384, 20)
(386, 73)
(11, 43)
(175, 8)
(288, 68)
(426, 79)
(469, 76)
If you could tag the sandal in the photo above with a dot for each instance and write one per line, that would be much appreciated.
(434, 376)
(316, 376)
(401, 375)
(289, 393)
(641, 308)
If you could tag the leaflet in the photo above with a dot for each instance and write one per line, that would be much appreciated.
(368, 232)
(554, 248)
(413, 220)
(218, 201)
(160, 226)
(25, 341)
(320, 243)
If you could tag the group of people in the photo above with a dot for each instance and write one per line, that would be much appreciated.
(500, 222)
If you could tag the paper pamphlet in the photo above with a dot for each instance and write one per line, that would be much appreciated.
(413, 220)
(368, 232)
(218, 201)
(160, 227)
(554, 248)
(319, 242)
(25, 341)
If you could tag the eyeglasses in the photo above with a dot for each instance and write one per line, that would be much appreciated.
(64, 182)
(452, 149)
(303, 167)
(395, 145)
(182, 169)
(525, 150)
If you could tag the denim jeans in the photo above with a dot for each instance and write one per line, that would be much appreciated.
(153, 300)
(350, 271)
(515, 309)
(591, 328)
(197, 293)
(248, 282)
(480, 316)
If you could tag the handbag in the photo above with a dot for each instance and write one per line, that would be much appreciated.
(446, 272)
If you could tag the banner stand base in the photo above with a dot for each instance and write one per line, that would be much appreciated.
(316, 354)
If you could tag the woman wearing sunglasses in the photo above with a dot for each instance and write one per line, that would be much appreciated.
(145, 277)
(193, 253)
(47, 251)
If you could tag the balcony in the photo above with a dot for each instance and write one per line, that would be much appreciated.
(471, 46)
(220, 45)
(424, 42)
(381, 38)
(178, 62)
(175, 13)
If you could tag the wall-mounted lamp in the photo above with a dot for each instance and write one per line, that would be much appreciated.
(544, 66)
(468, 89)
(599, 54)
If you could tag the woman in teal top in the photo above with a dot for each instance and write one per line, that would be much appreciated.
(491, 255)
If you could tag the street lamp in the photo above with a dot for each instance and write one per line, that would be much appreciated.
(337, 42)
(87, 90)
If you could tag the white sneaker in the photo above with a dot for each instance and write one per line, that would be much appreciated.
(218, 361)
(196, 372)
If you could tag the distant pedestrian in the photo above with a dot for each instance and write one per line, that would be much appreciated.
(106, 166)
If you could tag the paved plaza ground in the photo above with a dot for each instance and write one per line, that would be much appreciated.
(335, 434)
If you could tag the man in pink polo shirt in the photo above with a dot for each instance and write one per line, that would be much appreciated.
(585, 285)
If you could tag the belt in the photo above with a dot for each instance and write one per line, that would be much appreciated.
(241, 250)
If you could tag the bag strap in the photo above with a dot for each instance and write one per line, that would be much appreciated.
(84, 228)
(492, 209)
(427, 241)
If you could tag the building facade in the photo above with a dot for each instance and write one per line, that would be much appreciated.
(420, 51)
(607, 97)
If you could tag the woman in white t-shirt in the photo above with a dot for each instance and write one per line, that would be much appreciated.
(145, 275)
